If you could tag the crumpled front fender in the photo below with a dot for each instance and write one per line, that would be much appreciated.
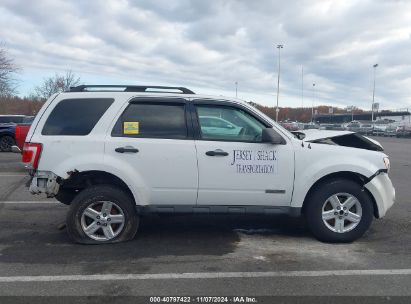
(381, 188)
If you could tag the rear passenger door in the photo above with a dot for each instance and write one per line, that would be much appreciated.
(152, 137)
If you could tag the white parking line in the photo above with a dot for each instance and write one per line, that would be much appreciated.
(28, 202)
(13, 174)
(206, 275)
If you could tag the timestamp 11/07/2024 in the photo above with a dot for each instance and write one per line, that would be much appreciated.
(203, 299)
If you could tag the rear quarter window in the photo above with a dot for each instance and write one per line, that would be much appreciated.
(76, 116)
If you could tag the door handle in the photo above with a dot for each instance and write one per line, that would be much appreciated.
(127, 149)
(217, 152)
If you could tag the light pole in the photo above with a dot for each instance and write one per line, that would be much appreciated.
(312, 107)
(279, 47)
(351, 110)
(373, 94)
(236, 85)
(302, 87)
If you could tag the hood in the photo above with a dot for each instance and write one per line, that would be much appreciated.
(341, 138)
(374, 141)
(314, 134)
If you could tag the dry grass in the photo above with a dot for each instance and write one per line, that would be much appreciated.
(18, 105)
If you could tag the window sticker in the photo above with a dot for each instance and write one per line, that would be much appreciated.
(131, 127)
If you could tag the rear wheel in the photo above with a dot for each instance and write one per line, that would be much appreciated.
(339, 211)
(102, 214)
(6, 142)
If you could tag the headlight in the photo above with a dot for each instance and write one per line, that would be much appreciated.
(387, 163)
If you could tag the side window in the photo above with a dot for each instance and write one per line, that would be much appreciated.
(75, 116)
(228, 123)
(152, 120)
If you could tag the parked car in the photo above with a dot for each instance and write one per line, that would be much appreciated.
(20, 134)
(7, 136)
(12, 119)
(390, 131)
(403, 131)
(290, 126)
(8, 129)
(310, 126)
(360, 127)
(354, 126)
(336, 127)
(379, 129)
(211, 126)
(133, 152)
(366, 128)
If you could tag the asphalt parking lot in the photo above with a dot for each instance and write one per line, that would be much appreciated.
(202, 255)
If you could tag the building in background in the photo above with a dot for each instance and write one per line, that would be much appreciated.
(398, 117)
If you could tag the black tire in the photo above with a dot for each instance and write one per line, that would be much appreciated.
(314, 208)
(6, 141)
(65, 196)
(95, 194)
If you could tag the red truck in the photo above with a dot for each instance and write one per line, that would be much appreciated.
(20, 136)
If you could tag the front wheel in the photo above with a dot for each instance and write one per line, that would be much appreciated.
(339, 211)
(102, 214)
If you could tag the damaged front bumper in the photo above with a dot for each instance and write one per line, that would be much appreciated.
(381, 188)
(45, 182)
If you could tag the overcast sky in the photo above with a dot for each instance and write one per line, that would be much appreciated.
(209, 45)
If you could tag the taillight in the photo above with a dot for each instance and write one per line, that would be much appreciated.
(31, 155)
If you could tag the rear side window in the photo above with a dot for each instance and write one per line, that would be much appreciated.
(152, 120)
(76, 116)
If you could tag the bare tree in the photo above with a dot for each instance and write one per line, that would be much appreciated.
(8, 69)
(57, 83)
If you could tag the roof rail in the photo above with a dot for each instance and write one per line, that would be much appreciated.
(128, 88)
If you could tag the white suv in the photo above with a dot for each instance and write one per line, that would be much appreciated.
(114, 153)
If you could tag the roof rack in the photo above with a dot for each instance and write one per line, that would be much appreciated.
(128, 88)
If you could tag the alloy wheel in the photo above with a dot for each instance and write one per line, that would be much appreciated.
(102, 220)
(341, 212)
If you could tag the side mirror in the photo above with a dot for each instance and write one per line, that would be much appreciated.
(269, 135)
(299, 135)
